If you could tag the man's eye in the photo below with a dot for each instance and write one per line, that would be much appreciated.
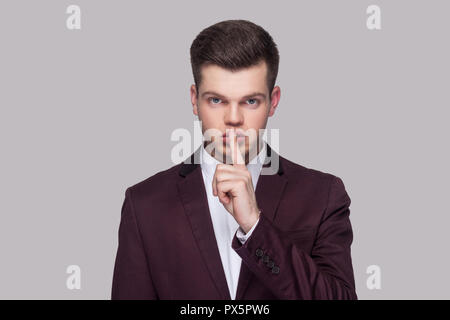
(252, 101)
(215, 100)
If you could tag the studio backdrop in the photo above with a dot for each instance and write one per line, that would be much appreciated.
(91, 92)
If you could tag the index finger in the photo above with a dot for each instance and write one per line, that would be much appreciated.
(236, 155)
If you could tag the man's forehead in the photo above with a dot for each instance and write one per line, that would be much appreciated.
(234, 84)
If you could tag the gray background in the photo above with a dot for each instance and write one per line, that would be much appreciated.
(85, 114)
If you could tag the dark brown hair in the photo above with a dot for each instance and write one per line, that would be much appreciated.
(234, 45)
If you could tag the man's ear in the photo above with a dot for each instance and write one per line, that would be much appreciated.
(274, 99)
(194, 99)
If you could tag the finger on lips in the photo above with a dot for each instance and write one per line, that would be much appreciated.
(236, 155)
(238, 162)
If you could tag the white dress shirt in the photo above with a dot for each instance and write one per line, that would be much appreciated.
(225, 226)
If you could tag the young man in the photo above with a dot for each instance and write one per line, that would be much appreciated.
(219, 229)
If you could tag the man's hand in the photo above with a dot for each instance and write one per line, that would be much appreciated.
(234, 187)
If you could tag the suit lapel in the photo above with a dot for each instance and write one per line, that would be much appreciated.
(193, 196)
(269, 190)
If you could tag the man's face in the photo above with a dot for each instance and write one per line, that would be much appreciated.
(238, 101)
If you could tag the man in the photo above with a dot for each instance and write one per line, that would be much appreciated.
(219, 229)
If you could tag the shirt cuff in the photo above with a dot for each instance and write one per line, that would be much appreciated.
(244, 236)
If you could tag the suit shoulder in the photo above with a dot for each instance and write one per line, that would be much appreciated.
(300, 172)
(158, 182)
(314, 182)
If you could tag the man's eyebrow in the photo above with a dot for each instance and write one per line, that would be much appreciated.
(254, 94)
(212, 93)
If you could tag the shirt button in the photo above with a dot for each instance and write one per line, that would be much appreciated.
(259, 252)
(276, 269)
(270, 264)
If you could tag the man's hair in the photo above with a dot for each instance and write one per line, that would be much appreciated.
(234, 45)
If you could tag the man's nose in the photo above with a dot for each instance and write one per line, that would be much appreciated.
(233, 115)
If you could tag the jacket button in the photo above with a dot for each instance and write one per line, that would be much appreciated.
(259, 252)
(276, 269)
(266, 258)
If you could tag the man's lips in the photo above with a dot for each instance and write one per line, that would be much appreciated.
(239, 138)
(236, 133)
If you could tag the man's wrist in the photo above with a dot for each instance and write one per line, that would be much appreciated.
(246, 228)
(243, 237)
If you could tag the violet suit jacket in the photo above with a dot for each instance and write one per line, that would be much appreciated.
(300, 248)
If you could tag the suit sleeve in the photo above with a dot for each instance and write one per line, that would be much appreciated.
(131, 278)
(290, 272)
